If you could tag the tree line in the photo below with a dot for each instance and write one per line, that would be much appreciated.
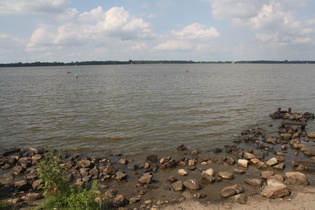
(38, 63)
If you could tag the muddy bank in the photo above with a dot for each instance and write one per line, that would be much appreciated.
(255, 164)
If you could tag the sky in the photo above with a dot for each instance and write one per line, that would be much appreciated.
(198, 30)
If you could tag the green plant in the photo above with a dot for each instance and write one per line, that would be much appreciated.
(4, 205)
(60, 194)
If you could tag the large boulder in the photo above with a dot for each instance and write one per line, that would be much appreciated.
(275, 189)
(295, 178)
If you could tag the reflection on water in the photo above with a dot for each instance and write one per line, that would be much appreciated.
(144, 108)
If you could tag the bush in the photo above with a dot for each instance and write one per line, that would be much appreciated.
(60, 194)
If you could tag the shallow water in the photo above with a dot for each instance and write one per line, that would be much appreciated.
(145, 109)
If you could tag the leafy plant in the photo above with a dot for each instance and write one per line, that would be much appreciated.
(60, 194)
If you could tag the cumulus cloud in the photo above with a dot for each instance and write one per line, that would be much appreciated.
(8, 7)
(67, 15)
(8, 42)
(191, 37)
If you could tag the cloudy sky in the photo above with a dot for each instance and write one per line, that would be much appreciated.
(199, 30)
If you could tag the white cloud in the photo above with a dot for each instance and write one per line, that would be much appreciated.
(197, 31)
(95, 14)
(174, 45)
(8, 7)
(67, 15)
(7, 42)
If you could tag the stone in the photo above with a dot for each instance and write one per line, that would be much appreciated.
(134, 200)
(253, 182)
(285, 136)
(120, 175)
(266, 174)
(226, 175)
(109, 170)
(85, 164)
(206, 176)
(275, 189)
(295, 178)
(169, 164)
(38, 184)
(119, 201)
(243, 162)
(249, 156)
(22, 185)
(94, 172)
(239, 171)
(178, 186)
(241, 198)
(182, 172)
(182, 148)
(187, 195)
(192, 184)
(209, 171)
(261, 165)
(33, 196)
(172, 179)
(301, 168)
(311, 135)
(123, 161)
(271, 140)
(309, 151)
(111, 193)
(191, 163)
(272, 161)
(194, 152)
(165, 160)
(18, 169)
(200, 195)
(279, 166)
(152, 158)
(280, 158)
(217, 150)
(146, 178)
(231, 190)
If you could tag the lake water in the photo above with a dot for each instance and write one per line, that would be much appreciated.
(145, 109)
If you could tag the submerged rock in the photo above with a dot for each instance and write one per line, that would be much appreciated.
(231, 190)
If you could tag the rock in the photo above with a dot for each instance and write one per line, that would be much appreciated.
(22, 185)
(123, 161)
(147, 202)
(146, 178)
(295, 178)
(85, 164)
(191, 163)
(11, 151)
(272, 161)
(37, 185)
(280, 158)
(152, 158)
(271, 140)
(109, 170)
(275, 189)
(261, 165)
(111, 193)
(192, 184)
(120, 175)
(194, 152)
(178, 186)
(301, 168)
(254, 160)
(239, 171)
(311, 135)
(226, 175)
(253, 182)
(243, 162)
(182, 148)
(172, 179)
(18, 169)
(182, 172)
(119, 201)
(279, 166)
(241, 198)
(309, 151)
(206, 176)
(187, 195)
(200, 195)
(217, 150)
(231, 190)
(285, 136)
(94, 172)
(134, 200)
(249, 156)
(209, 171)
(33, 196)
(165, 160)
(266, 174)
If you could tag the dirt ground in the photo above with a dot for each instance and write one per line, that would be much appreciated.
(301, 198)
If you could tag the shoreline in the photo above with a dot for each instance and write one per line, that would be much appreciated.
(260, 171)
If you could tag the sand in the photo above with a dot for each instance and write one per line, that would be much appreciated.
(300, 198)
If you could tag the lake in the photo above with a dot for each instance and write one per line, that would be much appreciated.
(144, 109)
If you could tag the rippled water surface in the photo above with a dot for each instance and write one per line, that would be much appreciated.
(140, 109)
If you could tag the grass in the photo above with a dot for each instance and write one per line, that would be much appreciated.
(60, 194)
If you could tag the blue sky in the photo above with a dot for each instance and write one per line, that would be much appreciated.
(199, 30)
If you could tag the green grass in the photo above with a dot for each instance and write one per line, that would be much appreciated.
(60, 194)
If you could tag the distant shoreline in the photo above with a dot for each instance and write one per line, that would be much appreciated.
(80, 63)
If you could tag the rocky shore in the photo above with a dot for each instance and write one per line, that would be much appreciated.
(254, 164)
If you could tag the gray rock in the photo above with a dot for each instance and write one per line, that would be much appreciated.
(192, 184)
(226, 175)
(266, 174)
(272, 161)
(279, 166)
